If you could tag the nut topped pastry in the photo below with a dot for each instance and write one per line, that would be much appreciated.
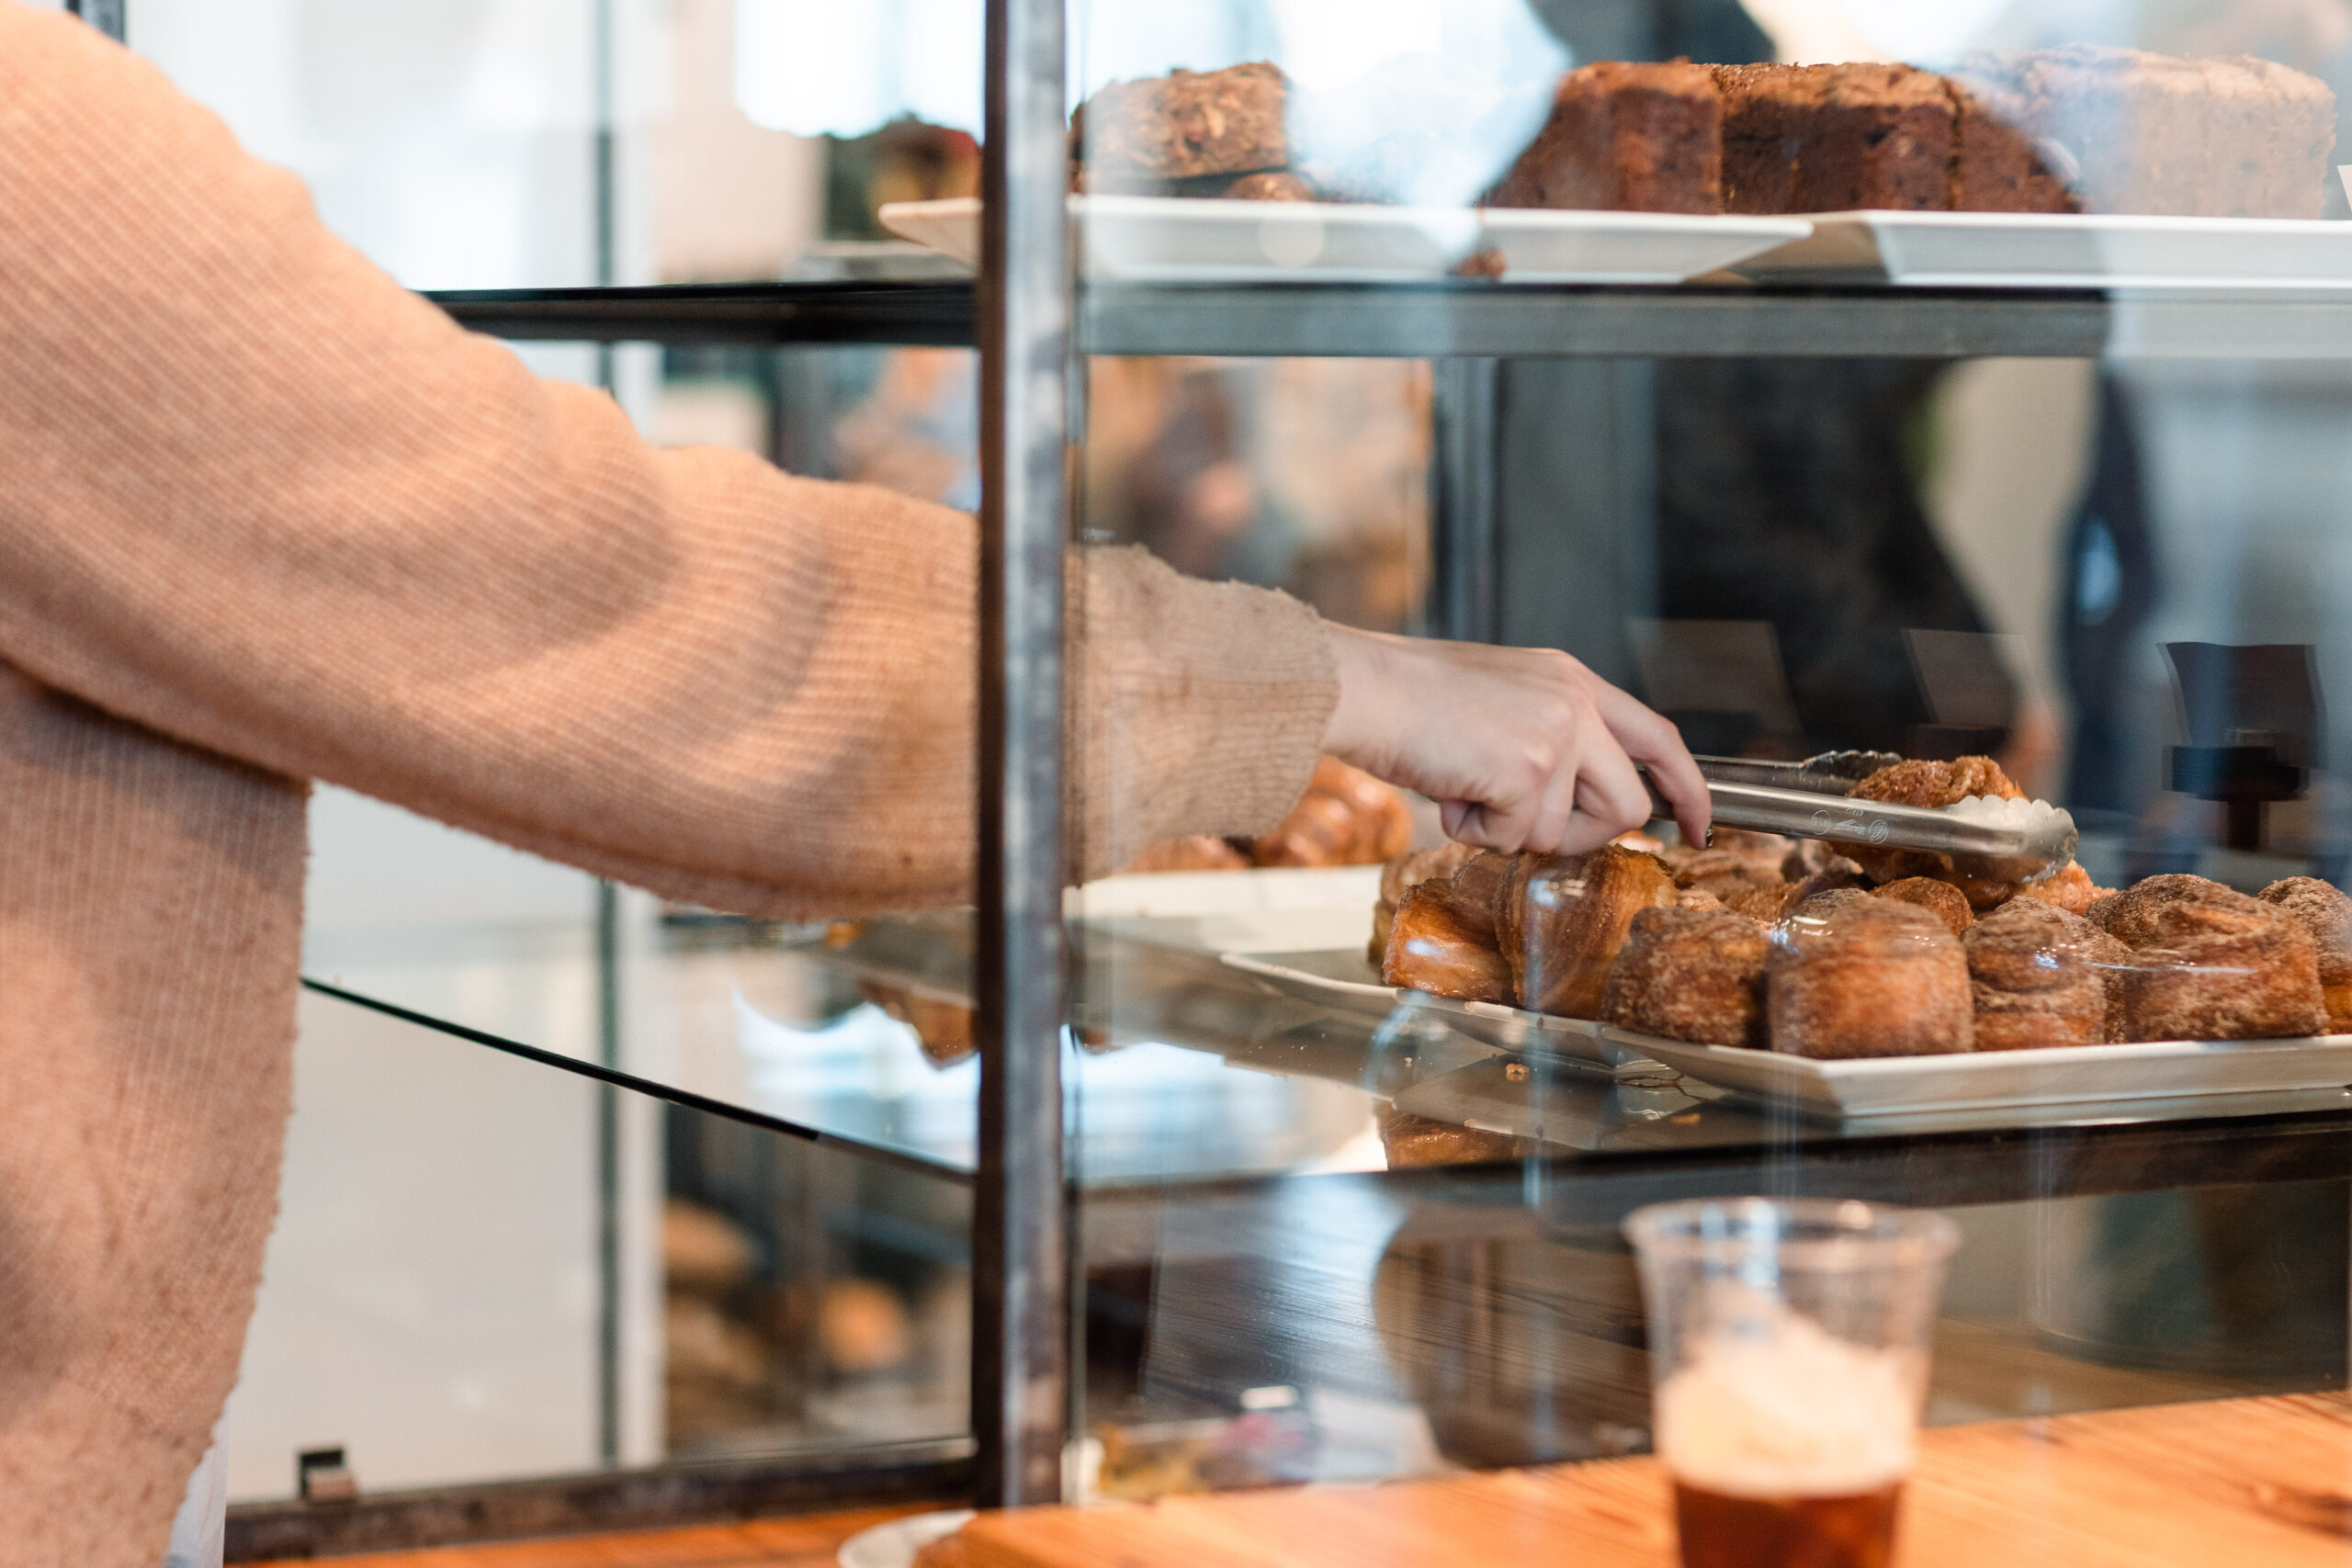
(2040, 977)
(1690, 975)
(1563, 917)
(1853, 975)
(1184, 126)
(2325, 911)
(2224, 968)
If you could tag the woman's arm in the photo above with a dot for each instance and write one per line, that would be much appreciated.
(261, 498)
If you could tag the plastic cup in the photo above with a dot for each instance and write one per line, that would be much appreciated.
(1789, 1352)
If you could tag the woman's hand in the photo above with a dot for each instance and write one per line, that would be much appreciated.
(1522, 748)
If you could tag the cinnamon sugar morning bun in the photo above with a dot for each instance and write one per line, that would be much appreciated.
(2040, 977)
(1690, 975)
(2070, 889)
(1934, 786)
(2326, 912)
(2224, 968)
(1443, 936)
(2130, 916)
(1402, 872)
(1941, 899)
(1563, 917)
(1867, 976)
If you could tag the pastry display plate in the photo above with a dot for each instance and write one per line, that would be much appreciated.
(2006, 1081)
(1149, 239)
(2056, 250)
(1340, 980)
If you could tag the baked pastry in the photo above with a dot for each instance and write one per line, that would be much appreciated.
(1400, 873)
(1690, 975)
(2325, 911)
(1563, 917)
(1940, 900)
(1412, 1142)
(943, 1029)
(1765, 904)
(1835, 138)
(1853, 975)
(1833, 873)
(1199, 852)
(2224, 968)
(1721, 873)
(2130, 916)
(1637, 138)
(1443, 940)
(2131, 131)
(1183, 126)
(1696, 898)
(1934, 784)
(1346, 818)
(2070, 889)
(1997, 165)
(1269, 184)
(2038, 977)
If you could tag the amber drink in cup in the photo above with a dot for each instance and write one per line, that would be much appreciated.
(1789, 1350)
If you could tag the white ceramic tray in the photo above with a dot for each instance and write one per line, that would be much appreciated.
(1170, 240)
(2001, 1081)
(1311, 978)
(2056, 249)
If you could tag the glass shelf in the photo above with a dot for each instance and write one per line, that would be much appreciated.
(1464, 319)
(1192, 1076)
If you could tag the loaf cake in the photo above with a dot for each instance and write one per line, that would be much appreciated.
(1835, 138)
(1642, 138)
(2132, 131)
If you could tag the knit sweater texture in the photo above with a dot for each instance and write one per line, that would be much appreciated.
(268, 517)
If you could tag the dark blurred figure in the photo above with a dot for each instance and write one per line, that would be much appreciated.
(2110, 587)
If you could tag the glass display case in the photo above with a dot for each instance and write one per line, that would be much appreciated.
(1200, 1174)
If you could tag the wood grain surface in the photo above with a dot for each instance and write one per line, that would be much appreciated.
(811, 1541)
(2252, 1481)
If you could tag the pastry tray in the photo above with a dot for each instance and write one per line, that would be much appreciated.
(1320, 978)
(1151, 239)
(2006, 1080)
(2057, 250)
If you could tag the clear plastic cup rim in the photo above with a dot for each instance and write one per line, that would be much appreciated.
(1811, 1233)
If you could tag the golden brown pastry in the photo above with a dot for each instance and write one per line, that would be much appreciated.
(1760, 853)
(1696, 898)
(1690, 975)
(1941, 899)
(2325, 911)
(1934, 784)
(1199, 852)
(2040, 977)
(2070, 889)
(2130, 916)
(1721, 873)
(1867, 976)
(1411, 1142)
(1563, 917)
(943, 1029)
(1764, 904)
(1346, 818)
(1399, 873)
(2224, 968)
(1443, 940)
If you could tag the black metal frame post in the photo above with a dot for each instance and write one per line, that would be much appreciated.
(108, 16)
(1020, 1241)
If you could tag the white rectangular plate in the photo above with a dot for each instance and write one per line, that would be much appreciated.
(2059, 250)
(1179, 240)
(1999, 1080)
(1317, 977)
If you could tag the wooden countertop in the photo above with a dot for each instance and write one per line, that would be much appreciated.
(812, 1540)
(2266, 1481)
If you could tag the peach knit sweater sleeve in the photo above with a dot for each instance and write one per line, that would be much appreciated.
(267, 517)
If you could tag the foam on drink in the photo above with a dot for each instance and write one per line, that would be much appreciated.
(1768, 1404)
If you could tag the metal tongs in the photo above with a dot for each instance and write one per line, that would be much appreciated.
(1812, 799)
